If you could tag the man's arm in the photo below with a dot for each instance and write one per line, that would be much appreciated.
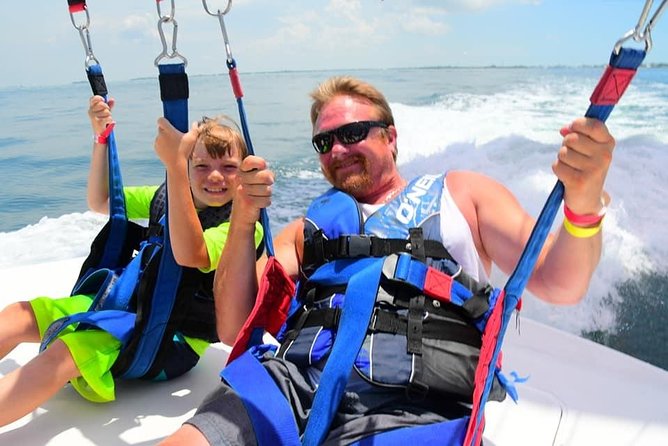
(501, 227)
(97, 194)
(236, 280)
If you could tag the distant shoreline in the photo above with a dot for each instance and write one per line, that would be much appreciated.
(644, 66)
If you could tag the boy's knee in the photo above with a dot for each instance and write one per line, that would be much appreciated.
(58, 359)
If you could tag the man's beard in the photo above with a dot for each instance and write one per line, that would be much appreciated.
(351, 184)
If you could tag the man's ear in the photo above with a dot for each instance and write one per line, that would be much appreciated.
(391, 133)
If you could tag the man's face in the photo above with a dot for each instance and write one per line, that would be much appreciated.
(360, 168)
(212, 179)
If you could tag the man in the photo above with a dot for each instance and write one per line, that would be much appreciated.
(355, 136)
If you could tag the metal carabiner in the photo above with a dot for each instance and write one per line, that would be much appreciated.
(84, 35)
(638, 33)
(173, 54)
(220, 14)
(171, 12)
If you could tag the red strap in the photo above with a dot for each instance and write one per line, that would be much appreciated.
(437, 285)
(236, 83)
(104, 136)
(489, 340)
(76, 6)
(272, 305)
(612, 85)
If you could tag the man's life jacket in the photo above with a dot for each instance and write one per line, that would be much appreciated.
(413, 341)
(385, 298)
(127, 298)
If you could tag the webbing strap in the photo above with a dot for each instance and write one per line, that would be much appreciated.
(115, 322)
(268, 409)
(610, 88)
(163, 298)
(614, 81)
(117, 217)
(174, 94)
(449, 432)
(355, 316)
(121, 292)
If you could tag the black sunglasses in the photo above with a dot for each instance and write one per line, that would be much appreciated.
(351, 133)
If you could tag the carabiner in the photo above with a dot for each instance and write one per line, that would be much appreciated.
(219, 12)
(638, 33)
(171, 12)
(84, 35)
(221, 20)
(168, 18)
(84, 25)
(174, 54)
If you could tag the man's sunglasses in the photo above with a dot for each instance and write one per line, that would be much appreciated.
(351, 133)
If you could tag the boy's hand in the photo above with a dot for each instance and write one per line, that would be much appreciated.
(171, 145)
(99, 113)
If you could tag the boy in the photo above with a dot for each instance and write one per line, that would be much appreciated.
(201, 172)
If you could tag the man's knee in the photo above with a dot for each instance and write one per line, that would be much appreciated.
(186, 434)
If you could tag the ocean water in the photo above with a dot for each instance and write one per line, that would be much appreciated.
(503, 122)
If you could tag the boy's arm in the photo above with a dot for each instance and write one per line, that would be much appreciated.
(185, 229)
(97, 194)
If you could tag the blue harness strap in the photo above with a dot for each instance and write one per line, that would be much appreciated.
(117, 216)
(174, 94)
(164, 296)
(119, 324)
(268, 409)
(447, 433)
(108, 310)
(355, 316)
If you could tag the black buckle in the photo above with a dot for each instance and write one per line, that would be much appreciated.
(356, 245)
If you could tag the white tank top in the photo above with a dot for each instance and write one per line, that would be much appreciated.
(451, 229)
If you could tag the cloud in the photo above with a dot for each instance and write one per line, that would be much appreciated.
(473, 5)
(139, 27)
(422, 21)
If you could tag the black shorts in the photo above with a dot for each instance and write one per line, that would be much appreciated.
(223, 420)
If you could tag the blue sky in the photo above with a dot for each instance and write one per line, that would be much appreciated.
(40, 46)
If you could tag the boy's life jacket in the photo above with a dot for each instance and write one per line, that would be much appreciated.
(193, 312)
(426, 345)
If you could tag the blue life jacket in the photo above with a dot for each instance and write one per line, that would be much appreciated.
(413, 341)
(126, 300)
(385, 298)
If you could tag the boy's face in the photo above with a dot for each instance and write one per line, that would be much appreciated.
(212, 180)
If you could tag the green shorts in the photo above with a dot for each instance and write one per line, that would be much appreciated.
(94, 351)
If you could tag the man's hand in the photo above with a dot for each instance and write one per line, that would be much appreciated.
(253, 189)
(582, 164)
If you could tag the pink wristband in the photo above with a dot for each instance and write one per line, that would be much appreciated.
(584, 220)
(104, 136)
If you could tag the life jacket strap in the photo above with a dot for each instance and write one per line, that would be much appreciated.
(384, 321)
(320, 249)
